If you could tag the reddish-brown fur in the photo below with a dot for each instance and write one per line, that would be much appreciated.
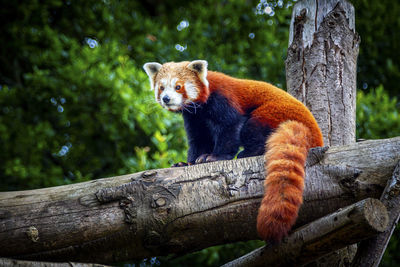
(287, 148)
(296, 132)
(271, 106)
(286, 154)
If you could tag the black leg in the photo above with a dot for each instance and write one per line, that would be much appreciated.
(253, 136)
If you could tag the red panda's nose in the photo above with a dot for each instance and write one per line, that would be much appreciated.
(166, 99)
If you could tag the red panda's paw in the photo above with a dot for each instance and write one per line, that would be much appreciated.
(180, 164)
(205, 158)
(211, 157)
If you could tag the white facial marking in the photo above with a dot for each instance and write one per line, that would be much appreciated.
(173, 82)
(191, 90)
(173, 100)
(164, 82)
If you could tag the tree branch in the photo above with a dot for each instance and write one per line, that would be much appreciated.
(334, 231)
(370, 251)
(12, 263)
(178, 210)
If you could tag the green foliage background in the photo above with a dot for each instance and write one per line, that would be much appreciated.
(75, 103)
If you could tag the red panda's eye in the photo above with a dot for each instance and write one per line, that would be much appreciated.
(177, 87)
(162, 88)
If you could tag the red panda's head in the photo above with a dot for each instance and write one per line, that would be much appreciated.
(178, 84)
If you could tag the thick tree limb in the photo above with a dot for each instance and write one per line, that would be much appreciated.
(370, 251)
(344, 227)
(178, 210)
(12, 263)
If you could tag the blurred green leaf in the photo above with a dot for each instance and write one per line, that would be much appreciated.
(377, 115)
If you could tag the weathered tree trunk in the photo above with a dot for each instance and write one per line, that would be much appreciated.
(321, 72)
(178, 210)
(321, 65)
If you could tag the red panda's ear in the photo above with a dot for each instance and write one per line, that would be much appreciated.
(151, 68)
(200, 67)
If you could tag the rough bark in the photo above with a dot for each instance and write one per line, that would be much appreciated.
(370, 251)
(178, 210)
(344, 227)
(12, 263)
(163, 211)
(321, 65)
(321, 72)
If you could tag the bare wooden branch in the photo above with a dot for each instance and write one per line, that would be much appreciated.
(339, 229)
(12, 263)
(178, 210)
(370, 251)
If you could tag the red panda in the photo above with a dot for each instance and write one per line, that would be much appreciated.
(222, 113)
